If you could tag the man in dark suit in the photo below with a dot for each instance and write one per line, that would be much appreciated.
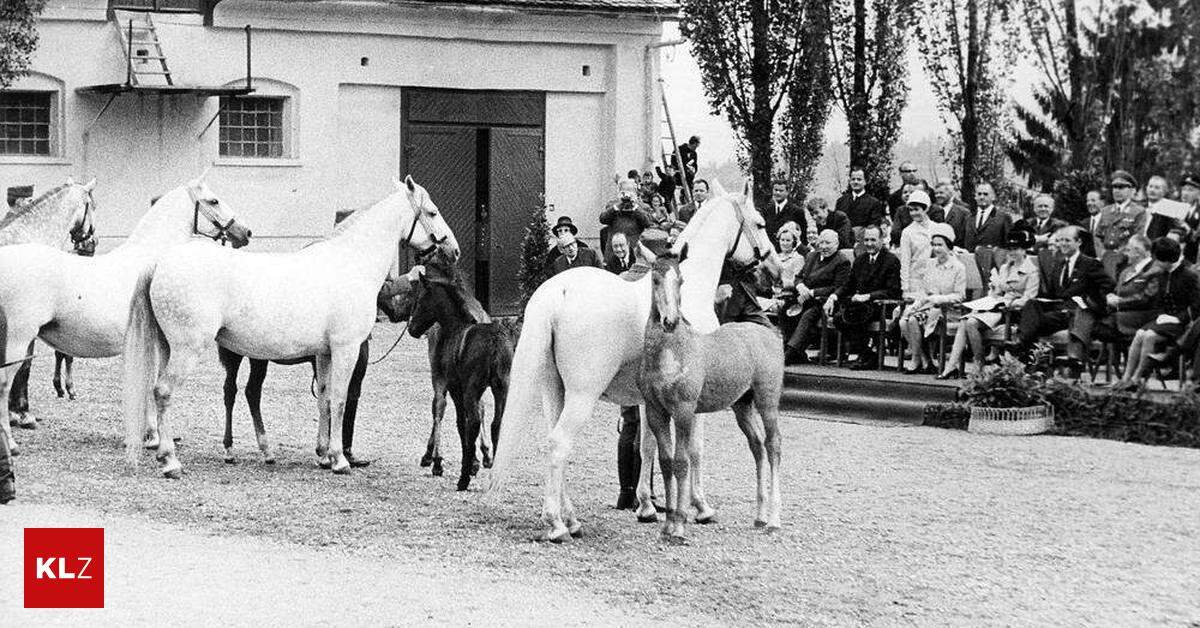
(958, 214)
(874, 276)
(824, 272)
(836, 221)
(620, 256)
(571, 254)
(782, 210)
(899, 198)
(629, 462)
(860, 207)
(1072, 282)
(991, 225)
(1042, 225)
(1090, 226)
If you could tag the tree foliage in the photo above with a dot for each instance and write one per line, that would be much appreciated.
(750, 54)
(535, 248)
(803, 122)
(867, 40)
(968, 48)
(18, 37)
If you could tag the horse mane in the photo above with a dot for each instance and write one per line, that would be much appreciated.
(26, 207)
(440, 270)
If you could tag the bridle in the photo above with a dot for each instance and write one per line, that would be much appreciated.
(78, 239)
(203, 206)
(419, 217)
(759, 254)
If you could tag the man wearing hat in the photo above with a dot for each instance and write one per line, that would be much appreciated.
(1120, 220)
(571, 254)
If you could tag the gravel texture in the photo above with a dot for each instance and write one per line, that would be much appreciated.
(883, 524)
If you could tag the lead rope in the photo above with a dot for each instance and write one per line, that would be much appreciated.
(394, 345)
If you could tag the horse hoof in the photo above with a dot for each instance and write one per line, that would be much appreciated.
(230, 460)
(13, 450)
(487, 463)
(463, 485)
(325, 463)
(70, 396)
(342, 470)
(674, 539)
(706, 518)
(28, 423)
(558, 535)
(59, 392)
(426, 460)
(151, 442)
(172, 471)
(269, 460)
(774, 528)
(651, 518)
(437, 467)
(474, 469)
(577, 533)
(759, 523)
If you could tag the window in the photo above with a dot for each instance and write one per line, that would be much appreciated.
(165, 6)
(25, 123)
(252, 127)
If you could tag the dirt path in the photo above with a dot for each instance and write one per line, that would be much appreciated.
(251, 580)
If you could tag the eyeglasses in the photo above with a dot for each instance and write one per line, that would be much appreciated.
(909, 171)
(1120, 186)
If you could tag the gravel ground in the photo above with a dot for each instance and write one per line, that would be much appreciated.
(882, 525)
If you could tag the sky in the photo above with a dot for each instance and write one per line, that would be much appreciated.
(692, 116)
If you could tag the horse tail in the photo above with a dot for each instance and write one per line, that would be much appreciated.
(532, 369)
(145, 350)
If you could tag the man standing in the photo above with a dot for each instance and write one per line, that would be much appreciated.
(908, 174)
(874, 276)
(1073, 282)
(1043, 225)
(629, 461)
(824, 272)
(958, 214)
(627, 214)
(1094, 201)
(860, 207)
(1120, 220)
(1165, 215)
(782, 210)
(991, 226)
(690, 159)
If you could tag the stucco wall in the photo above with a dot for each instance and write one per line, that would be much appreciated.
(346, 115)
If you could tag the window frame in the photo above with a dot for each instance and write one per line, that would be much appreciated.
(54, 123)
(284, 127)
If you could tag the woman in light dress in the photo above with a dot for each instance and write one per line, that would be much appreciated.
(942, 284)
(1012, 285)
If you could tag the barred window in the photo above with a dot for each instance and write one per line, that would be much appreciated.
(252, 126)
(25, 123)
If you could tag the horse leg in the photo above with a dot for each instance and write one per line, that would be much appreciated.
(231, 362)
(258, 373)
(8, 382)
(433, 451)
(322, 366)
(743, 411)
(69, 363)
(468, 431)
(577, 408)
(341, 367)
(685, 420)
(18, 399)
(353, 392)
(58, 387)
(647, 444)
(704, 512)
(657, 421)
(499, 399)
(485, 437)
(769, 411)
(179, 365)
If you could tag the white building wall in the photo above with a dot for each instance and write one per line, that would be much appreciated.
(346, 129)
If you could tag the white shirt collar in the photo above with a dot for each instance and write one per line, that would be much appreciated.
(856, 195)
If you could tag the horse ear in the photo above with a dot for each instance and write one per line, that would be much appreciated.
(70, 180)
(410, 184)
(90, 185)
(204, 174)
(683, 252)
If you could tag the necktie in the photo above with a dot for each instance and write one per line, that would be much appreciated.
(982, 217)
(1066, 275)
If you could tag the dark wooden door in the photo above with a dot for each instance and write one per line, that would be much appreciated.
(515, 189)
(442, 158)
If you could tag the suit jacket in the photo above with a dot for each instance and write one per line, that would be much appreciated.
(957, 216)
(775, 219)
(1088, 280)
(840, 223)
(1090, 238)
(863, 211)
(1031, 224)
(824, 277)
(1138, 296)
(1161, 225)
(585, 257)
(994, 231)
(616, 265)
(691, 164)
(1116, 225)
(881, 280)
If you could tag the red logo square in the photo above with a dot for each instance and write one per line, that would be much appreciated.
(64, 567)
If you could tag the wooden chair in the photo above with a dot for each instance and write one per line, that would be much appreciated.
(878, 327)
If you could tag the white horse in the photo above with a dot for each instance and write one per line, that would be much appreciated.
(318, 301)
(60, 216)
(80, 305)
(582, 341)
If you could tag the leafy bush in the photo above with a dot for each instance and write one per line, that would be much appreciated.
(1005, 385)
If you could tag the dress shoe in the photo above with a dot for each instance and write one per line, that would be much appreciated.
(951, 374)
(627, 500)
(913, 371)
(864, 365)
(796, 356)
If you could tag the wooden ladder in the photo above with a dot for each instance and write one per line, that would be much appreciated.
(669, 144)
(147, 65)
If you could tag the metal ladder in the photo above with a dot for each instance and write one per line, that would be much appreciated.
(670, 151)
(146, 62)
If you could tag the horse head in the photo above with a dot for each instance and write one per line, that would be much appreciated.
(80, 197)
(666, 294)
(428, 229)
(214, 219)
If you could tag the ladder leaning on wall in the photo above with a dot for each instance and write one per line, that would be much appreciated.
(146, 62)
(670, 151)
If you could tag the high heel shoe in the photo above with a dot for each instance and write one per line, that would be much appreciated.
(951, 374)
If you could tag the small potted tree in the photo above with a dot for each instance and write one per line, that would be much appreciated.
(1007, 399)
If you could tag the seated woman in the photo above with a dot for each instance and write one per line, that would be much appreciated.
(664, 225)
(943, 283)
(1013, 284)
(1156, 342)
(783, 289)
